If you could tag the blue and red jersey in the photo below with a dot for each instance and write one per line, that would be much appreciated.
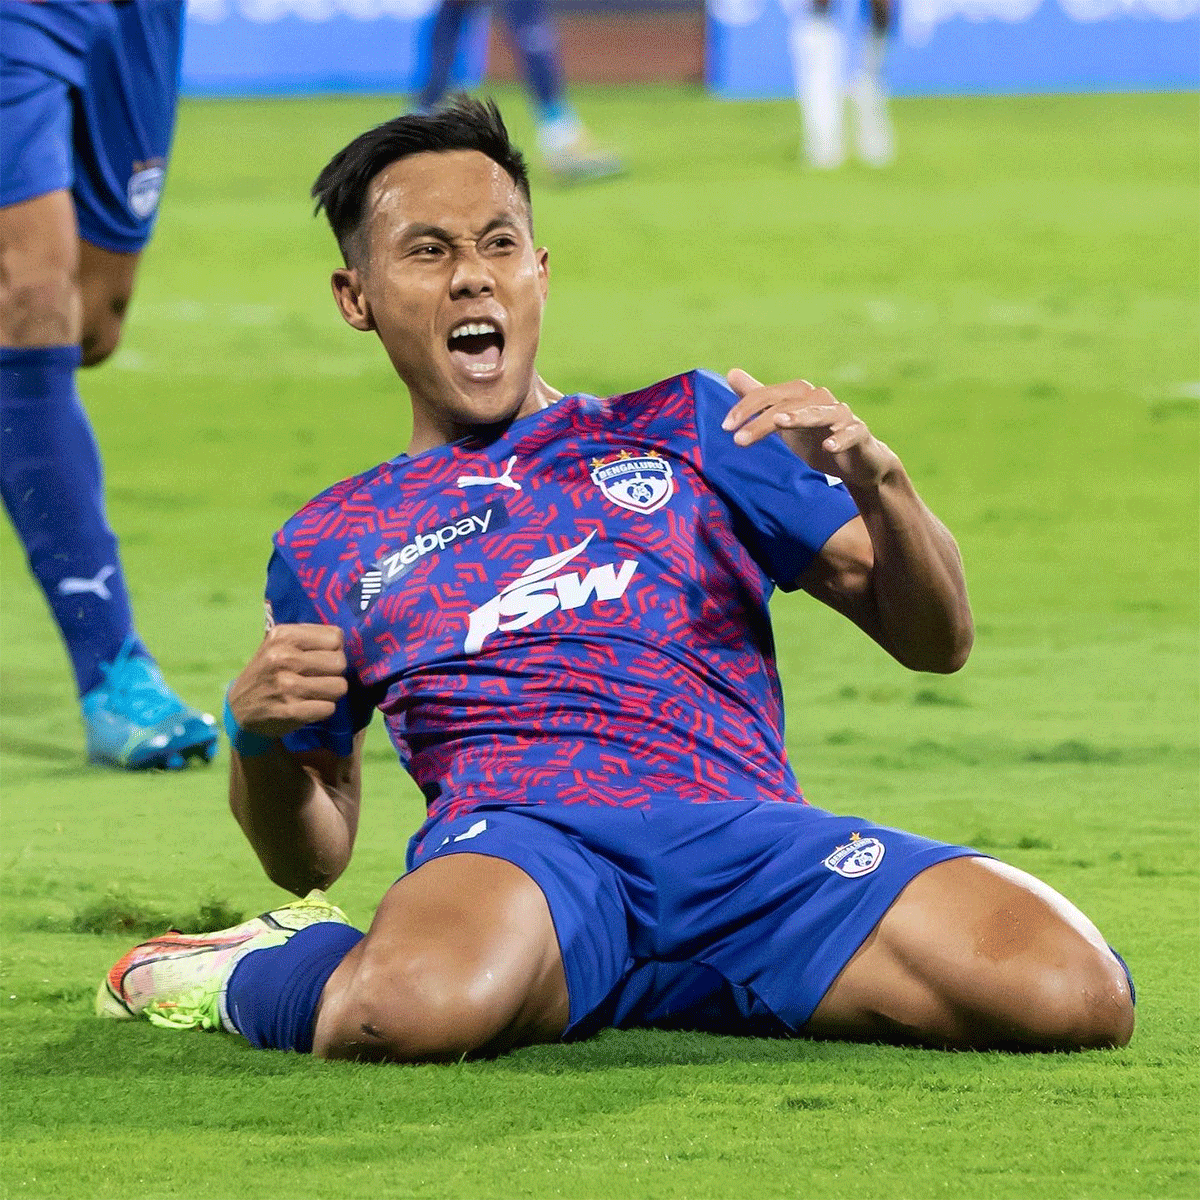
(573, 613)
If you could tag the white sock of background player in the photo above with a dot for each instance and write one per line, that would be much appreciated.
(868, 92)
(818, 54)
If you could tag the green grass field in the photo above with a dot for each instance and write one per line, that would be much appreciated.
(1012, 307)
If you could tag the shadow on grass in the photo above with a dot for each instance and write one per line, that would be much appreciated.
(117, 1050)
(45, 751)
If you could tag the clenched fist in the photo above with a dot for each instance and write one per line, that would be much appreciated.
(296, 676)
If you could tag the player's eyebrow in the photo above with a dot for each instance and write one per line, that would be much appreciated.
(419, 231)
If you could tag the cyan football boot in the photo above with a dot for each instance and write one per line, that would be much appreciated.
(135, 721)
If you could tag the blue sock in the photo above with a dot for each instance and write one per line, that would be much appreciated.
(53, 488)
(273, 994)
(536, 41)
(447, 28)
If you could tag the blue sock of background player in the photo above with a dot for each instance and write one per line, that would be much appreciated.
(536, 41)
(564, 143)
(54, 492)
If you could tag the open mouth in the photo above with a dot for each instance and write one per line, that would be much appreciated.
(477, 347)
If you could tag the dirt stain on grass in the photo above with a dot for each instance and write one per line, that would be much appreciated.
(115, 913)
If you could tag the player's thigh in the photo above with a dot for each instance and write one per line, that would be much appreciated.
(42, 50)
(978, 953)
(106, 279)
(461, 957)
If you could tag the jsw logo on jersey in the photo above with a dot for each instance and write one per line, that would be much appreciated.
(538, 592)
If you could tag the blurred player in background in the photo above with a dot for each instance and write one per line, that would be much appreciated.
(559, 604)
(566, 147)
(818, 51)
(87, 110)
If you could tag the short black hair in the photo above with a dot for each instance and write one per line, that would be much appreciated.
(461, 123)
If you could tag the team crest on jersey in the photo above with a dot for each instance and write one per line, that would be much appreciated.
(642, 483)
(860, 856)
(145, 187)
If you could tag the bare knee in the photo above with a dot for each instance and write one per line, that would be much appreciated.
(418, 1008)
(979, 955)
(1045, 971)
(103, 320)
(41, 308)
(461, 958)
(1083, 1003)
(106, 282)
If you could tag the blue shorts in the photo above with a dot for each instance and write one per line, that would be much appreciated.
(87, 102)
(732, 917)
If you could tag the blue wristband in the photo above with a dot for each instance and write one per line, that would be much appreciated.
(247, 744)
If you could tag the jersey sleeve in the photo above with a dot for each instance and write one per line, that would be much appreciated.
(288, 604)
(783, 510)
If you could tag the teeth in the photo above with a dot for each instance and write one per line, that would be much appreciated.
(475, 329)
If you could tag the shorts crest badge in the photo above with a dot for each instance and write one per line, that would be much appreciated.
(145, 187)
(642, 483)
(860, 856)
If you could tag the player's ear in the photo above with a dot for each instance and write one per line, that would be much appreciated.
(543, 269)
(351, 300)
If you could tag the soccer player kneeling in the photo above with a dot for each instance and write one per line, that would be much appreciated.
(558, 602)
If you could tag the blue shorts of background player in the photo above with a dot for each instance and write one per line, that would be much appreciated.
(88, 95)
(87, 105)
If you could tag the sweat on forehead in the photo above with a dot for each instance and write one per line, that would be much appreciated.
(462, 183)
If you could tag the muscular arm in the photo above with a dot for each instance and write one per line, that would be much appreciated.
(894, 570)
(298, 810)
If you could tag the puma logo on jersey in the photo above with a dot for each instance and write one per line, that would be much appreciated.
(97, 586)
(539, 591)
(505, 480)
